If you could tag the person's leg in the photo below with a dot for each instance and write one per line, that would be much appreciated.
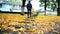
(28, 13)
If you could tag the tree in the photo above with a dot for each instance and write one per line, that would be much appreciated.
(58, 9)
(23, 5)
(52, 4)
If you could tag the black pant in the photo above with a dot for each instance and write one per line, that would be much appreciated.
(29, 13)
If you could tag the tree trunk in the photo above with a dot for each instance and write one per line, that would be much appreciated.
(58, 9)
(23, 5)
(22, 9)
(45, 7)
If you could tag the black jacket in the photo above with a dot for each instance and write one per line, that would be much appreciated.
(29, 6)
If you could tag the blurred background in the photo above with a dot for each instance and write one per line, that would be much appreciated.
(42, 6)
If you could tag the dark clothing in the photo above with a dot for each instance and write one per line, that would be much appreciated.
(29, 13)
(29, 8)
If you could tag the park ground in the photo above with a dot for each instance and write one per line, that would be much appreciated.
(20, 24)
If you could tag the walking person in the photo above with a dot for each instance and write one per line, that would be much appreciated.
(29, 8)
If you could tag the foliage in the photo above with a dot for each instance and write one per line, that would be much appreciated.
(50, 4)
(39, 24)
